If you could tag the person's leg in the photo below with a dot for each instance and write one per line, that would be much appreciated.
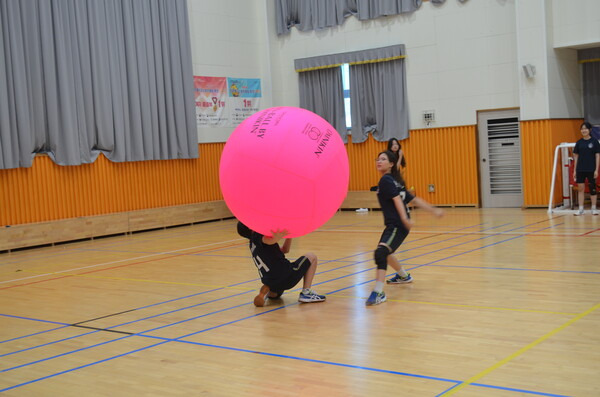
(260, 299)
(401, 277)
(310, 273)
(307, 267)
(381, 255)
(580, 197)
(593, 193)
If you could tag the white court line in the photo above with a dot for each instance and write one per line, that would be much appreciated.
(121, 260)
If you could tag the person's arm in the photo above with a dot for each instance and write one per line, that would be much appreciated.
(419, 202)
(285, 248)
(402, 212)
(400, 155)
(275, 237)
(597, 165)
(575, 158)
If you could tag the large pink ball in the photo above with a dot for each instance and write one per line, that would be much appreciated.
(284, 168)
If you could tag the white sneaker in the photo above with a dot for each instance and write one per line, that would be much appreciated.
(595, 211)
(362, 210)
(579, 212)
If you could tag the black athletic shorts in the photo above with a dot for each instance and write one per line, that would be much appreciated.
(582, 176)
(298, 270)
(393, 236)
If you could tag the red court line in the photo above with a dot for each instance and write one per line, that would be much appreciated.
(125, 265)
(591, 231)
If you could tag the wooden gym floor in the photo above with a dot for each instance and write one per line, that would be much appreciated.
(504, 303)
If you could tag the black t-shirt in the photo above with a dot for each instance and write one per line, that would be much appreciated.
(271, 263)
(586, 150)
(388, 189)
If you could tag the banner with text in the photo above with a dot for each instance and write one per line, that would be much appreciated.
(211, 96)
(244, 99)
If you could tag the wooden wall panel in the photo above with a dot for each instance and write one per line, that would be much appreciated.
(539, 139)
(445, 157)
(47, 191)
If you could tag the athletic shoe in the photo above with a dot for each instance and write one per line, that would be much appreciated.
(376, 298)
(595, 212)
(310, 296)
(579, 212)
(397, 279)
(260, 299)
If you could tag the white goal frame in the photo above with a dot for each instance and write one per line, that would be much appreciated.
(567, 193)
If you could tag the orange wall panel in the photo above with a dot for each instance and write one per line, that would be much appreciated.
(539, 139)
(47, 191)
(445, 157)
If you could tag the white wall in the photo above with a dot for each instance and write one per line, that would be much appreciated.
(576, 23)
(461, 57)
(229, 39)
(555, 90)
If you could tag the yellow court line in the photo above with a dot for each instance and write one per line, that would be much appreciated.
(519, 352)
(467, 306)
(155, 281)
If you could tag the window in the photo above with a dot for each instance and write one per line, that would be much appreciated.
(346, 85)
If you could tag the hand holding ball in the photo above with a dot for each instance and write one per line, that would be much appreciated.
(284, 168)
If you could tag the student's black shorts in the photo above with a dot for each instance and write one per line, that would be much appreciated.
(393, 236)
(582, 176)
(298, 269)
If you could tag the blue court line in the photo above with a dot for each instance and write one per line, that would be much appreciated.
(262, 312)
(80, 367)
(114, 326)
(311, 360)
(408, 374)
(517, 390)
(452, 256)
(137, 334)
(25, 318)
(237, 256)
(505, 388)
(119, 325)
(489, 245)
(68, 325)
(350, 256)
(166, 340)
(35, 333)
(477, 239)
(149, 317)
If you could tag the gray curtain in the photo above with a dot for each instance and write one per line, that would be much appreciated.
(80, 77)
(377, 90)
(319, 14)
(379, 101)
(321, 92)
(371, 9)
(590, 63)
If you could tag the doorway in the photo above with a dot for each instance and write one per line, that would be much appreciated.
(500, 158)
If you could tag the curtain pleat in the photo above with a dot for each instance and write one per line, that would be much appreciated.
(379, 101)
(590, 63)
(309, 15)
(81, 77)
(321, 92)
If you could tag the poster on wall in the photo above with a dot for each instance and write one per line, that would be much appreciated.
(211, 96)
(244, 99)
